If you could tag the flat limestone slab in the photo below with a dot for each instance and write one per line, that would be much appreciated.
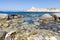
(3, 16)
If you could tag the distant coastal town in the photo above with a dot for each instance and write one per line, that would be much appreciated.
(34, 9)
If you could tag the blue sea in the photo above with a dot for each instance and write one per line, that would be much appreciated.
(24, 13)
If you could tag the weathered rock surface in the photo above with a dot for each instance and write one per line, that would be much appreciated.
(56, 14)
(3, 16)
(46, 17)
(2, 35)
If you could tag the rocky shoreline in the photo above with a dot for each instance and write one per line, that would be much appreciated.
(45, 27)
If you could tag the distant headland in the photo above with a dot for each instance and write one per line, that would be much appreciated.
(34, 9)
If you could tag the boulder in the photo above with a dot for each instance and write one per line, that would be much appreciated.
(56, 14)
(47, 17)
(2, 34)
(9, 34)
(46, 37)
(56, 17)
(3, 16)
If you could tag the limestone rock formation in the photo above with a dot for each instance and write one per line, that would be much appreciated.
(2, 34)
(3, 16)
(47, 17)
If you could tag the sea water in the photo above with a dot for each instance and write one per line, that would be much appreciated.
(24, 13)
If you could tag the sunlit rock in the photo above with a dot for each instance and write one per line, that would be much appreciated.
(47, 17)
(36, 23)
(3, 16)
(53, 38)
(47, 38)
(5, 25)
(9, 35)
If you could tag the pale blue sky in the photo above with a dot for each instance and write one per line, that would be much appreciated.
(20, 5)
